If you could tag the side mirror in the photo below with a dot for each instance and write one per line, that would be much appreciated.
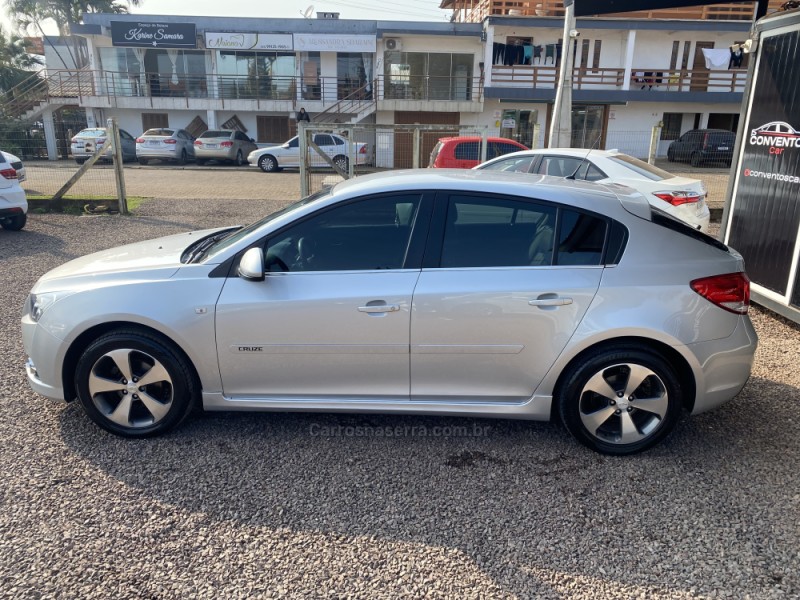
(251, 266)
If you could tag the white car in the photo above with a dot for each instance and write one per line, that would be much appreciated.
(13, 202)
(288, 154)
(682, 197)
(165, 143)
(16, 164)
(84, 145)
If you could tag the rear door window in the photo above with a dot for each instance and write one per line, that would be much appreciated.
(468, 151)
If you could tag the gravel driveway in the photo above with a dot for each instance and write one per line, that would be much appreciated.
(271, 505)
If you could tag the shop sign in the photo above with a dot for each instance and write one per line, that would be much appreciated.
(308, 42)
(153, 35)
(249, 41)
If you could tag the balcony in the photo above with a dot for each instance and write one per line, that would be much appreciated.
(640, 79)
(474, 12)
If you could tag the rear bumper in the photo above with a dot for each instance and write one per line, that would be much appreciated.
(217, 153)
(725, 365)
(12, 201)
(145, 152)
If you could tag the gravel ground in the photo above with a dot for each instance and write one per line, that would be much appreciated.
(260, 505)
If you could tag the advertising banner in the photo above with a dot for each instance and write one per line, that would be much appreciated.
(250, 41)
(153, 35)
(309, 42)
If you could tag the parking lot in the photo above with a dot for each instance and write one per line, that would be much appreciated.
(282, 505)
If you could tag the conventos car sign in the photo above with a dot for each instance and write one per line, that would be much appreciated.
(776, 134)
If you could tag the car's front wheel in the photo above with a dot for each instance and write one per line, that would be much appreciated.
(135, 384)
(183, 157)
(622, 400)
(268, 164)
(200, 161)
(14, 223)
(239, 160)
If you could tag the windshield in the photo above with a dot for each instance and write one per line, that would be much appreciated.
(245, 231)
(642, 168)
(158, 132)
(217, 134)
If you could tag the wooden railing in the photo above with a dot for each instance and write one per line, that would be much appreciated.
(649, 79)
(474, 12)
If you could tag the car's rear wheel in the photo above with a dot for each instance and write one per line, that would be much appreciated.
(622, 400)
(696, 159)
(239, 161)
(134, 384)
(14, 223)
(80, 161)
(341, 162)
(670, 155)
(268, 164)
(143, 161)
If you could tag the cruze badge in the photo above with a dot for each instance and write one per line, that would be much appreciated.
(246, 349)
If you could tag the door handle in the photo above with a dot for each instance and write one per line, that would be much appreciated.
(550, 302)
(379, 308)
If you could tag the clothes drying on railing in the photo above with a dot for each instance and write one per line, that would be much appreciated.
(515, 54)
(737, 56)
(717, 58)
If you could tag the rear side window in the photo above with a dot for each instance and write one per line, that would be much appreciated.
(468, 151)
(581, 238)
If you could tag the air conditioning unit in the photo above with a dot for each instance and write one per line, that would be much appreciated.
(394, 44)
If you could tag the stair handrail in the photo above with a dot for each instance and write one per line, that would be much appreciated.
(355, 99)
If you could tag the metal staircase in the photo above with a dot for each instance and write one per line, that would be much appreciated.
(30, 98)
(354, 107)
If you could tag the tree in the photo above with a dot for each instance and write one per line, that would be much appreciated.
(31, 14)
(16, 64)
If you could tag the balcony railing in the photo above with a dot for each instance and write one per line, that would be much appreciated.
(586, 78)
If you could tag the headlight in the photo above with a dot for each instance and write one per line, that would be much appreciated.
(38, 303)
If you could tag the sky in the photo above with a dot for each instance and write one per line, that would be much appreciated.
(406, 10)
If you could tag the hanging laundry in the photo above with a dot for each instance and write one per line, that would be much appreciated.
(737, 56)
(716, 58)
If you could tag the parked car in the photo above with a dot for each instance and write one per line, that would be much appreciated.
(84, 144)
(223, 145)
(426, 292)
(287, 154)
(165, 143)
(777, 129)
(682, 197)
(703, 146)
(465, 152)
(16, 164)
(13, 201)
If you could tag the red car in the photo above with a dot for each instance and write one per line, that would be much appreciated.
(465, 152)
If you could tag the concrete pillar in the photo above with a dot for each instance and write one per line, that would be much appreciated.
(561, 124)
(50, 134)
(211, 119)
(630, 49)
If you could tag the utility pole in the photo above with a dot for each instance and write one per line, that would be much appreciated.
(561, 123)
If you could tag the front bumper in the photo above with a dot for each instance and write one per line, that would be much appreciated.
(46, 357)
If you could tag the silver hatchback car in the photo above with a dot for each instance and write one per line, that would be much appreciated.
(443, 293)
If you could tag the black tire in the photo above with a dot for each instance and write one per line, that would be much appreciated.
(173, 397)
(80, 161)
(14, 223)
(239, 160)
(143, 161)
(268, 164)
(581, 409)
(695, 159)
(183, 157)
(341, 162)
(670, 155)
(200, 161)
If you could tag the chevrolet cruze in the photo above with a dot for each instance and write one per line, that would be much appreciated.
(445, 292)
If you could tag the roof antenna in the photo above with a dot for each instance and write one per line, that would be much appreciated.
(584, 159)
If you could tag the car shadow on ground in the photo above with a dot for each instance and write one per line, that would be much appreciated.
(521, 500)
(28, 242)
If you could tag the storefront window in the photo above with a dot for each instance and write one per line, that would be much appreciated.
(153, 72)
(428, 76)
(262, 75)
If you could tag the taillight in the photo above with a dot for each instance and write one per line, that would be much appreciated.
(730, 292)
(101, 140)
(226, 144)
(74, 140)
(9, 173)
(170, 141)
(140, 140)
(198, 143)
(678, 198)
(363, 149)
